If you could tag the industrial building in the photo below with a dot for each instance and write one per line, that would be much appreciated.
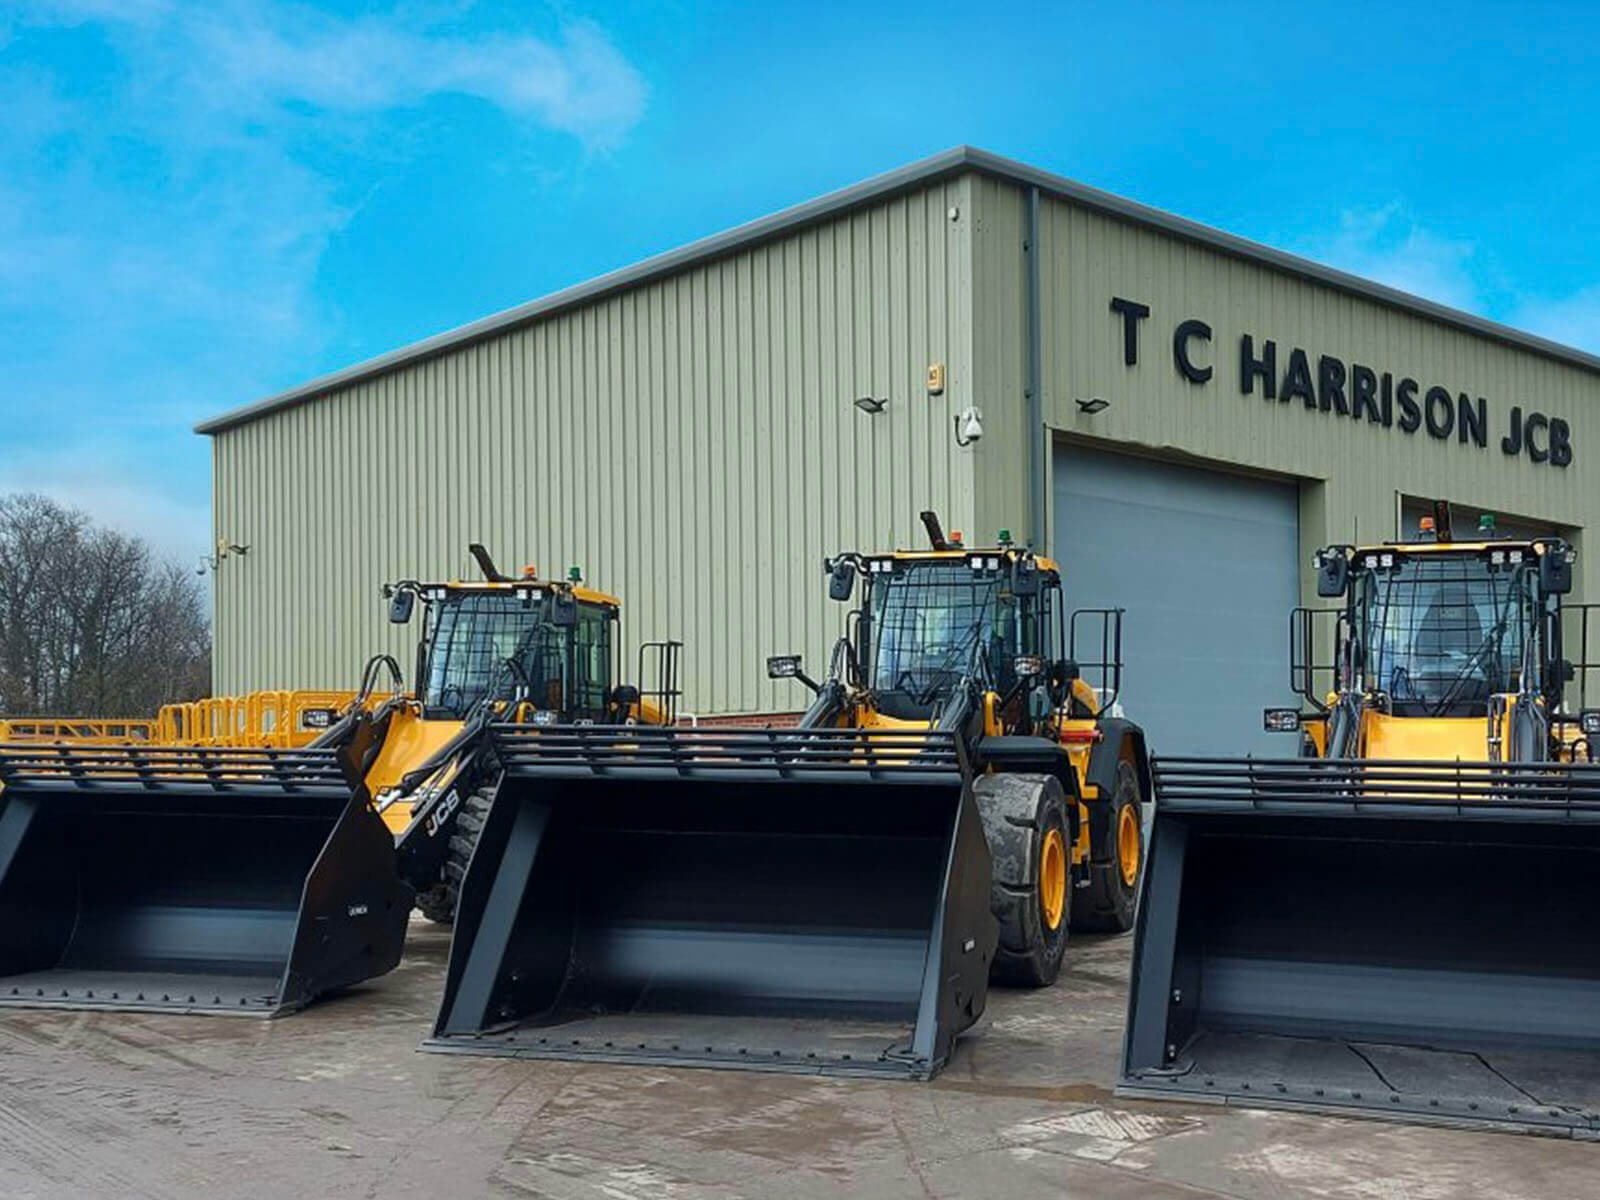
(1181, 416)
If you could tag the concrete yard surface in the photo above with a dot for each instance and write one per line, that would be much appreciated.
(336, 1101)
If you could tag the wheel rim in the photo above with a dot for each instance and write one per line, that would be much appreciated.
(1053, 879)
(1128, 844)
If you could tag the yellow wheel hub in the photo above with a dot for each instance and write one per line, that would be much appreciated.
(1053, 879)
(1128, 844)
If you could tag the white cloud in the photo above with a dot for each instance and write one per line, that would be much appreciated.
(246, 58)
(579, 84)
(1388, 245)
(1572, 320)
(165, 212)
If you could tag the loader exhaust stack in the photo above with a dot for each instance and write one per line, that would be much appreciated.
(193, 880)
(1399, 938)
(724, 897)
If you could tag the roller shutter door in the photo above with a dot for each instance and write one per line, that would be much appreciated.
(1207, 566)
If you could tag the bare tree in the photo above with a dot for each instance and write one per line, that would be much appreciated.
(92, 622)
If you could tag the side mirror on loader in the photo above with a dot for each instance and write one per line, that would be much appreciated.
(1555, 571)
(1333, 573)
(841, 580)
(563, 610)
(787, 666)
(401, 602)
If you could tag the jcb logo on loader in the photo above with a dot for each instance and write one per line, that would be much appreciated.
(441, 814)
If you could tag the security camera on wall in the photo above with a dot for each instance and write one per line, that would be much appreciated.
(969, 426)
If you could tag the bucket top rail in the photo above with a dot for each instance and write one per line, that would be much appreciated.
(67, 767)
(840, 754)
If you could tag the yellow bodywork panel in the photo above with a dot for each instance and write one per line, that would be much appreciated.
(409, 742)
(1431, 739)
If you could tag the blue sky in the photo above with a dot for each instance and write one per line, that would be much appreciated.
(201, 204)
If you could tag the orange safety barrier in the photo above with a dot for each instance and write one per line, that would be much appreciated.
(51, 729)
(282, 719)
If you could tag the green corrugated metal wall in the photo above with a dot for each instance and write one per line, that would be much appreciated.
(690, 442)
(1350, 471)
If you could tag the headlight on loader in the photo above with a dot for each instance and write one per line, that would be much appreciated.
(1028, 666)
(783, 666)
(1281, 720)
(1590, 721)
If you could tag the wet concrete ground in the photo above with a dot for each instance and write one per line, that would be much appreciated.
(336, 1102)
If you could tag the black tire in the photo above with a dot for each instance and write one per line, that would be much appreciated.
(438, 903)
(1020, 813)
(1108, 904)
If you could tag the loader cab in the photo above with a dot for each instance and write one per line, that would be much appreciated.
(1437, 629)
(930, 621)
(548, 644)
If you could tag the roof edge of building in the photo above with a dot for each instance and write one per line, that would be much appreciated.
(913, 175)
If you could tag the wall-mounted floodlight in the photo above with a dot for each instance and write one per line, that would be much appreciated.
(1093, 405)
(871, 405)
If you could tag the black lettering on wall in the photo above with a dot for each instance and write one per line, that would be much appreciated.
(1132, 312)
(1330, 385)
(1297, 379)
(1410, 411)
(1560, 442)
(1474, 420)
(1440, 409)
(1364, 393)
(1266, 367)
(1184, 334)
(1536, 421)
(1512, 442)
(1388, 399)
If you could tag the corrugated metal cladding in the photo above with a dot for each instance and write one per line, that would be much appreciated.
(690, 442)
(685, 431)
(1351, 470)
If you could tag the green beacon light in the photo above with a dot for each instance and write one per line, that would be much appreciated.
(1486, 524)
(1005, 537)
(574, 575)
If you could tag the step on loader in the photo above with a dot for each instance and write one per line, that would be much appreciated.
(830, 897)
(1398, 920)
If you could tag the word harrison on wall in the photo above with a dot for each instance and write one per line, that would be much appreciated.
(1352, 389)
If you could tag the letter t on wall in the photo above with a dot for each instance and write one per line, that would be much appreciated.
(1131, 312)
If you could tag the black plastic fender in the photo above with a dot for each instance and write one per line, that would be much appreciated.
(1120, 738)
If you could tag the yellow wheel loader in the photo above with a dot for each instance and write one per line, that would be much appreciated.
(248, 879)
(830, 897)
(1399, 919)
(502, 649)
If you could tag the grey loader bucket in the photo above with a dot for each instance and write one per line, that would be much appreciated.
(802, 900)
(192, 880)
(1374, 938)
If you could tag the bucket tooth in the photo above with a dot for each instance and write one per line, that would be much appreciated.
(793, 900)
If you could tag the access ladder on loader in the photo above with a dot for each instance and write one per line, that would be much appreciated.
(1399, 922)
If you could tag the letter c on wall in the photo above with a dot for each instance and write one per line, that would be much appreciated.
(1181, 338)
